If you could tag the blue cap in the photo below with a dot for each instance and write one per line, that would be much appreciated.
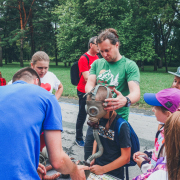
(150, 98)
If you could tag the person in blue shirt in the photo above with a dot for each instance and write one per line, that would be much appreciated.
(26, 110)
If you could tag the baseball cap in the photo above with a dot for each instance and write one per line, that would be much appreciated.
(169, 98)
(175, 73)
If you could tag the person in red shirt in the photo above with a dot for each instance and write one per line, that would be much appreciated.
(2, 80)
(84, 65)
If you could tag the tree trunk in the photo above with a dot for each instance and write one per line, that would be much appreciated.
(155, 64)
(156, 46)
(23, 21)
(170, 58)
(1, 64)
(166, 64)
(165, 41)
(160, 62)
(21, 54)
(5, 55)
(32, 45)
(32, 35)
(139, 63)
(164, 52)
(10, 54)
(56, 47)
(142, 65)
(56, 54)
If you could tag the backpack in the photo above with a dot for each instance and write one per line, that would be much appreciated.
(74, 72)
(134, 139)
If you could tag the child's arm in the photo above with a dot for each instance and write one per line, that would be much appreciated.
(139, 157)
(142, 162)
(94, 151)
(121, 161)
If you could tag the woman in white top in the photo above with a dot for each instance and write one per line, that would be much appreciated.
(49, 81)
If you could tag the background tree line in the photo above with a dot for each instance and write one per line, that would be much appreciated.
(149, 31)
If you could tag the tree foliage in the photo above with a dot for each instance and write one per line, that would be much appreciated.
(146, 28)
(149, 31)
(28, 26)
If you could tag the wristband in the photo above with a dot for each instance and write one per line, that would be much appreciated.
(128, 103)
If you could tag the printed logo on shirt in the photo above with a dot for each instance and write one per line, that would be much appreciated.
(46, 86)
(106, 78)
(106, 134)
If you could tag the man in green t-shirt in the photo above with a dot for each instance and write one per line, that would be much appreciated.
(118, 73)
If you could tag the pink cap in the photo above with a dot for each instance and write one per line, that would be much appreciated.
(169, 98)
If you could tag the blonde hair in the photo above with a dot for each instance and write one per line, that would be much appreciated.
(172, 144)
(39, 56)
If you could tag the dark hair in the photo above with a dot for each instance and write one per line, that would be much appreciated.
(172, 145)
(26, 74)
(110, 34)
(163, 109)
(91, 40)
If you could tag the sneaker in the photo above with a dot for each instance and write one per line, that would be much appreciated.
(79, 143)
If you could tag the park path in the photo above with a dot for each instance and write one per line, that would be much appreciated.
(143, 122)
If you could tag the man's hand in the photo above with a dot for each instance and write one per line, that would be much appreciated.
(115, 103)
(96, 169)
(41, 170)
(79, 173)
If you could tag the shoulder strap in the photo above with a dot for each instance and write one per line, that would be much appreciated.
(111, 119)
(162, 146)
(117, 129)
(159, 131)
(87, 60)
(86, 57)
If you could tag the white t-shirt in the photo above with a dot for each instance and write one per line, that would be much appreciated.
(50, 82)
(158, 175)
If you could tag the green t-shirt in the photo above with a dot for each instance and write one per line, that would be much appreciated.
(116, 75)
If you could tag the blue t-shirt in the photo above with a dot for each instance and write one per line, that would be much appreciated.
(25, 111)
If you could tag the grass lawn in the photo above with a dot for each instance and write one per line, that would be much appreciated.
(150, 81)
